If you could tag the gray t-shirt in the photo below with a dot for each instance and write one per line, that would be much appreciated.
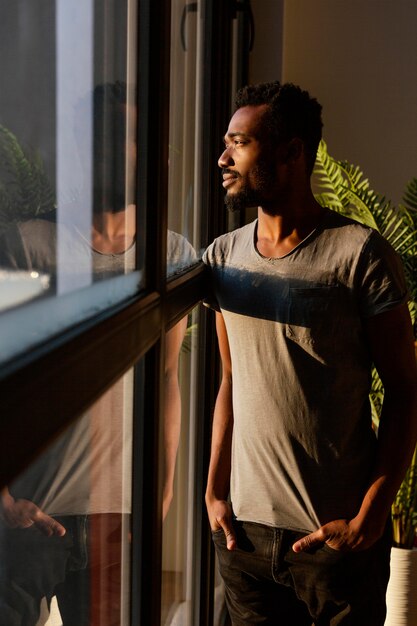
(303, 443)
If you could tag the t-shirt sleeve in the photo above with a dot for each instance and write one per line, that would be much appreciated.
(382, 281)
(208, 259)
(180, 253)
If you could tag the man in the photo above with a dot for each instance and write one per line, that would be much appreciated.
(305, 301)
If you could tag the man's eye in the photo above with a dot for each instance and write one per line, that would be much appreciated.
(234, 143)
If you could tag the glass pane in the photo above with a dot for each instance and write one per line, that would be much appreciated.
(65, 523)
(185, 128)
(68, 240)
(179, 508)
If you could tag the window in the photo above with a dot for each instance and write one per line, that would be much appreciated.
(68, 167)
(66, 521)
(83, 325)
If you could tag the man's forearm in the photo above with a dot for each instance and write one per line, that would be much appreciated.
(397, 437)
(218, 508)
(220, 460)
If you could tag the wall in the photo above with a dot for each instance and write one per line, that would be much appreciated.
(360, 60)
(265, 60)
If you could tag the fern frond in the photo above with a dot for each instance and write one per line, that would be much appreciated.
(354, 176)
(359, 207)
(26, 190)
(341, 187)
(329, 180)
(410, 195)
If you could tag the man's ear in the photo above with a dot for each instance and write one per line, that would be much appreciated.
(290, 152)
(295, 150)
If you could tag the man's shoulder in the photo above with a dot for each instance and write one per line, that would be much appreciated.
(347, 232)
(335, 220)
(355, 235)
(21, 242)
(36, 228)
(236, 241)
(180, 253)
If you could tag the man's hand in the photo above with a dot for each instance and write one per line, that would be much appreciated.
(24, 514)
(343, 535)
(220, 516)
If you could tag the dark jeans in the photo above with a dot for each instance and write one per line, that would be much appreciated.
(33, 565)
(267, 583)
(83, 570)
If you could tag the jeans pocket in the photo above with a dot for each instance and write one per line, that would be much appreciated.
(330, 550)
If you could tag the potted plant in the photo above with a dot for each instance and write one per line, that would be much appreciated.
(342, 187)
(401, 593)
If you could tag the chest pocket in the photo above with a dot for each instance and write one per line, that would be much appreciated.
(315, 320)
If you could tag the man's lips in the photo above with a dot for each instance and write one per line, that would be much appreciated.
(229, 179)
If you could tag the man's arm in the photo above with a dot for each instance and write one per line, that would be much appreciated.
(172, 411)
(391, 342)
(219, 510)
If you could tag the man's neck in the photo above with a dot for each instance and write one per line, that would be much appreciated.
(113, 233)
(281, 229)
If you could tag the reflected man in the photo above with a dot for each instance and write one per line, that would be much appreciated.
(65, 520)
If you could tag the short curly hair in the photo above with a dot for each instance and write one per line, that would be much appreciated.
(293, 113)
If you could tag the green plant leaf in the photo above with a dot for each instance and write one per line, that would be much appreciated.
(25, 191)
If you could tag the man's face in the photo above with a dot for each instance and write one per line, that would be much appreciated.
(249, 160)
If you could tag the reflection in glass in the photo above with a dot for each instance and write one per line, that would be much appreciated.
(179, 507)
(185, 129)
(180, 253)
(68, 159)
(65, 523)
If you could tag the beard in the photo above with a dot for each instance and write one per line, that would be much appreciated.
(241, 200)
(255, 193)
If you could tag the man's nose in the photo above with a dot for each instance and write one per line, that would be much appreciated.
(225, 159)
